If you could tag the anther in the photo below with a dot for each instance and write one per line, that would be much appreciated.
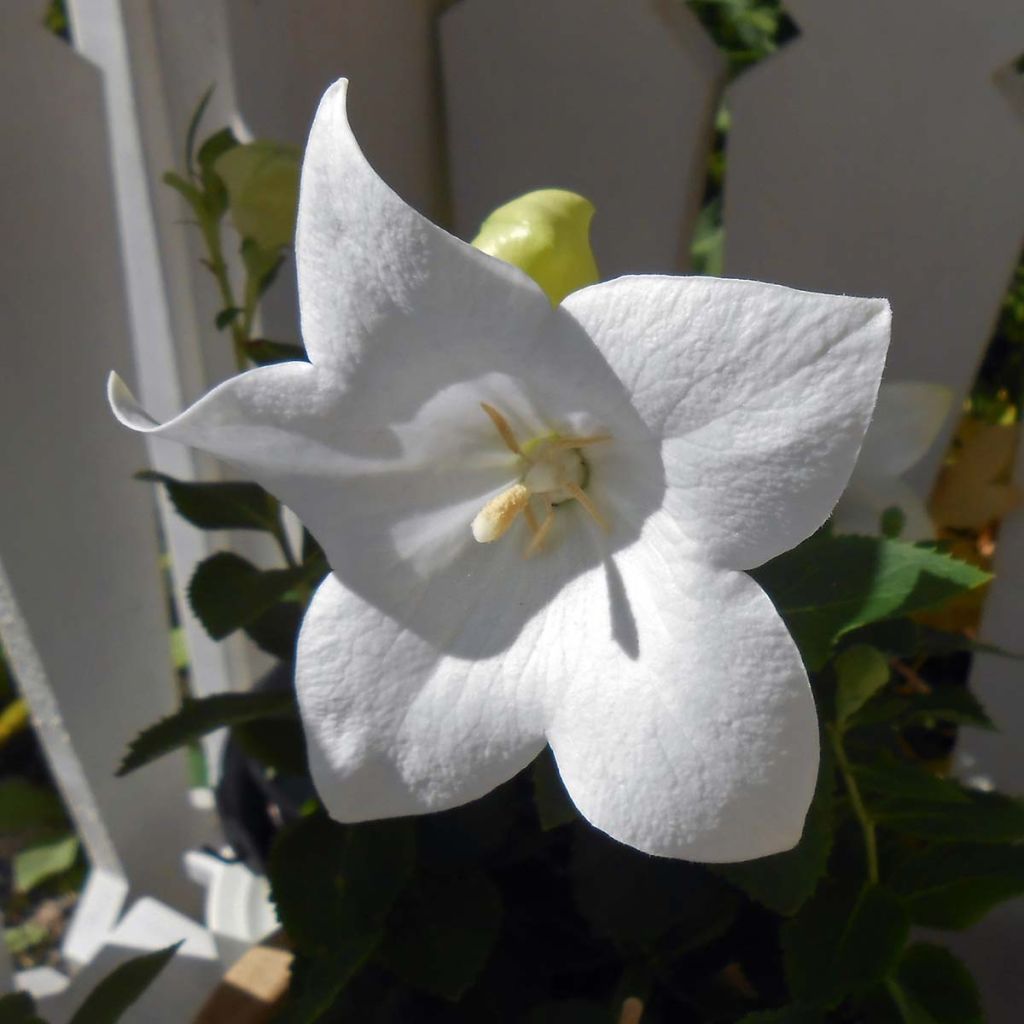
(494, 519)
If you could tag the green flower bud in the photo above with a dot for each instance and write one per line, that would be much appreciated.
(547, 235)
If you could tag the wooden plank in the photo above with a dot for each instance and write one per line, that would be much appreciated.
(878, 155)
(610, 98)
(81, 599)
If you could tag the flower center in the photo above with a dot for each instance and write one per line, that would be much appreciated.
(553, 470)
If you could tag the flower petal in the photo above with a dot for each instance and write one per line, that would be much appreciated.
(370, 266)
(394, 726)
(703, 742)
(906, 422)
(762, 395)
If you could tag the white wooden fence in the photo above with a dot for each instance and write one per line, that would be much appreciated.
(860, 160)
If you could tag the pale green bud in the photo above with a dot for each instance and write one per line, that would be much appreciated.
(547, 235)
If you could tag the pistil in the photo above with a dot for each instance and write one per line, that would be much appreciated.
(553, 471)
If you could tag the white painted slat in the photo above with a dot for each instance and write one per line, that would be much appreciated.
(610, 98)
(165, 338)
(877, 155)
(82, 610)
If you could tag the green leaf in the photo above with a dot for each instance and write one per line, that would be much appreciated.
(906, 638)
(441, 933)
(193, 128)
(276, 631)
(264, 352)
(24, 807)
(553, 805)
(220, 506)
(42, 861)
(830, 585)
(785, 881)
(955, 885)
(278, 744)
(214, 149)
(334, 885)
(18, 1008)
(842, 943)
(932, 986)
(787, 1015)
(123, 987)
(189, 193)
(861, 671)
(262, 179)
(639, 901)
(892, 522)
(888, 778)
(226, 316)
(946, 703)
(980, 818)
(227, 592)
(199, 716)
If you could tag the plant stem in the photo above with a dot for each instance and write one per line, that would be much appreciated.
(857, 803)
(219, 269)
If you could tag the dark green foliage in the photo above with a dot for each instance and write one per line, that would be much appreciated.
(931, 986)
(442, 931)
(18, 1008)
(197, 717)
(842, 942)
(830, 585)
(220, 506)
(123, 987)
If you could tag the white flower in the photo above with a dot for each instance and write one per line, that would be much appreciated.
(721, 421)
(907, 420)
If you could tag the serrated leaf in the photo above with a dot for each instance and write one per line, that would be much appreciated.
(637, 901)
(980, 818)
(25, 807)
(123, 987)
(906, 638)
(842, 943)
(199, 716)
(554, 807)
(785, 881)
(931, 986)
(334, 885)
(227, 592)
(441, 933)
(956, 884)
(861, 671)
(264, 352)
(830, 585)
(25, 936)
(233, 505)
(44, 860)
(262, 179)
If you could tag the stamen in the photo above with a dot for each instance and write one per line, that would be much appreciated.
(531, 519)
(537, 541)
(578, 442)
(581, 496)
(494, 519)
(501, 425)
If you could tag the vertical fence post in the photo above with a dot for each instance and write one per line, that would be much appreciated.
(613, 99)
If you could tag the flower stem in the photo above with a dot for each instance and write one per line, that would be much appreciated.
(856, 802)
(219, 268)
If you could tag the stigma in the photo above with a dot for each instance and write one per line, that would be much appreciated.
(553, 471)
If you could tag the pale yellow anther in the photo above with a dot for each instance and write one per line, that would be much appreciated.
(500, 513)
